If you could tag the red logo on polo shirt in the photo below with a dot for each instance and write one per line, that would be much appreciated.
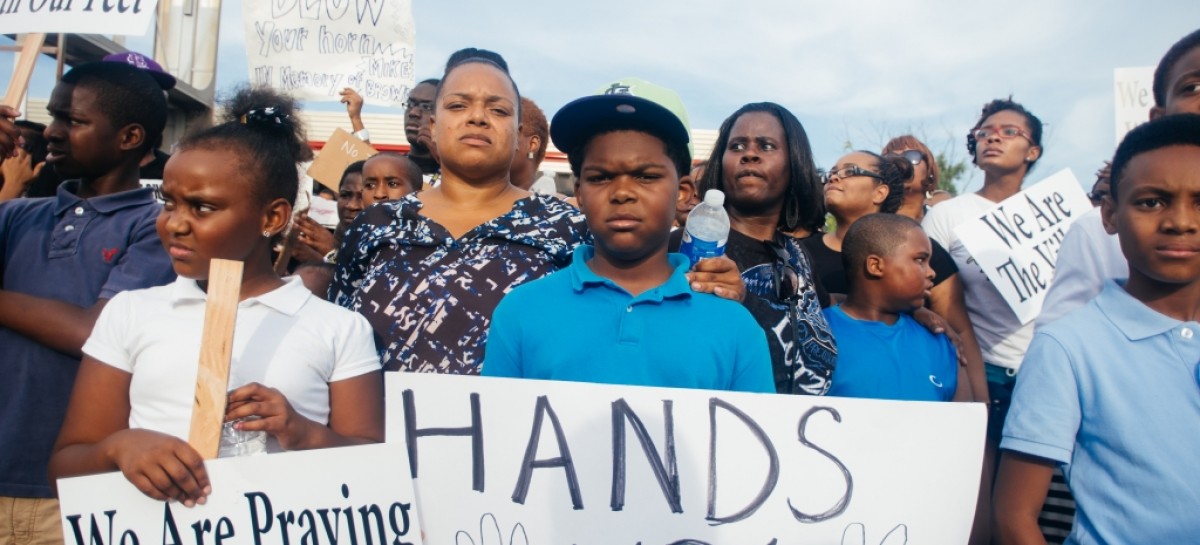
(109, 254)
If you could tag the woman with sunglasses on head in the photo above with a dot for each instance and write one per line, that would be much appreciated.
(763, 163)
(925, 179)
(1005, 143)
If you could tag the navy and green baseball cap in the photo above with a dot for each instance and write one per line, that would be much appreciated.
(627, 103)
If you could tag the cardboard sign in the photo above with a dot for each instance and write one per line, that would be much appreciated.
(1133, 94)
(1016, 242)
(314, 48)
(358, 495)
(120, 17)
(341, 149)
(533, 462)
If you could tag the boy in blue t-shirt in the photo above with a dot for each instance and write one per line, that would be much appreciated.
(883, 353)
(627, 312)
(1112, 390)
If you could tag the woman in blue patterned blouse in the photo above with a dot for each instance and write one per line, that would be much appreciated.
(428, 270)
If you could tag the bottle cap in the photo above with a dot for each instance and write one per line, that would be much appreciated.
(714, 197)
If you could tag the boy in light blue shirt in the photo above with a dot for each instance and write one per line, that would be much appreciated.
(883, 353)
(1112, 390)
(624, 312)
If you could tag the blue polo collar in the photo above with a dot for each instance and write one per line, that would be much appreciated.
(67, 197)
(582, 276)
(1136, 320)
(287, 299)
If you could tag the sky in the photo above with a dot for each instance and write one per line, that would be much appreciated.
(854, 72)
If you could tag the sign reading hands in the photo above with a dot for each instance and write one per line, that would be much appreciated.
(516, 462)
(313, 49)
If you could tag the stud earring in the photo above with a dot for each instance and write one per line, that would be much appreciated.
(530, 155)
(266, 234)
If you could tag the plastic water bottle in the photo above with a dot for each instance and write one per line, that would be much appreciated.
(707, 228)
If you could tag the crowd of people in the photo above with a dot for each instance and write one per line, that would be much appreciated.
(444, 261)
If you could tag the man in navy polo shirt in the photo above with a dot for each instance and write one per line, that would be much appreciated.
(61, 259)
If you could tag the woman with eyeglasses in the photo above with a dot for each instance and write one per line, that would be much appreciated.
(1005, 143)
(763, 163)
(925, 178)
(863, 183)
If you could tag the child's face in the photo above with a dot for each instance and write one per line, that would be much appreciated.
(475, 124)
(1183, 87)
(208, 212)
(907, 276)
(1157, 215)
(627, 190)
(82, 141)
(385, 178)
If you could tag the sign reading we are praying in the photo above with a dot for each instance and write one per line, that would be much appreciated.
(351, 496)
(522, 462)
(111, 17)
(313, 49)
(1016, 242)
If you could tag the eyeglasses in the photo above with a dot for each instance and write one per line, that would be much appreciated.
(1006, 132)
(915, 157)
(786, 279)
(424, 105)
(847, 172)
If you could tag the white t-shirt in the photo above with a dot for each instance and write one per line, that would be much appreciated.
(1087, 258)
(286, 339)
(1001, 336)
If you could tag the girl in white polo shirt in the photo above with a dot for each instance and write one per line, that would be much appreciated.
(306, 371)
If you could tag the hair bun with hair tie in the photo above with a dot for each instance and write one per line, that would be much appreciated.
(269, 117)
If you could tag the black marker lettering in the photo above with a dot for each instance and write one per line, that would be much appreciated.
(474, 431)
(666, 471)
(772, 471)
(563, 460)
(844, 502)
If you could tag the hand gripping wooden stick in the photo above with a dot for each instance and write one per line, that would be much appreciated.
(216, 349)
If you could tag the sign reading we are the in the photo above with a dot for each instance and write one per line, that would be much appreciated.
(315, 48)
(521, 462)
(1016, 242)
(350, 496)
(111, 17)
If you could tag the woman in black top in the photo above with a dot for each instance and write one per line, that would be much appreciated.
(763, 163)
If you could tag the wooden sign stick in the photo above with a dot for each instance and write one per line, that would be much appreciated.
(216, 350)
(31, 47)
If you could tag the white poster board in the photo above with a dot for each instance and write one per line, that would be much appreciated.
(354, 495)
(1016, 242)
(110, 17)
(534, 462)
(313, 49)
(1133, 96)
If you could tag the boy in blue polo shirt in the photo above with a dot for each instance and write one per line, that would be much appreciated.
(61, 259)
(883, 352)
(1112, 390)
(628, 313)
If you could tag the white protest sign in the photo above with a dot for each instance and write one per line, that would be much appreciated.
(119, 17)
(1016, 243)
(535, 462)
(1133, 94)
(358, 495)
(314, 48)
